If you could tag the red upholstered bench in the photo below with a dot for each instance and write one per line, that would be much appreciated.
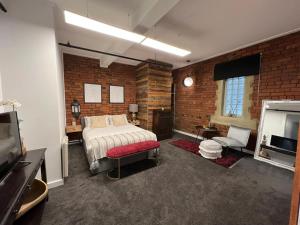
(132, 149)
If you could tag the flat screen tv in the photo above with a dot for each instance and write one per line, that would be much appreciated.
(10, 142)
(284, 143)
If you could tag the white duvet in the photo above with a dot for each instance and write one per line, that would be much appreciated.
(99, 140)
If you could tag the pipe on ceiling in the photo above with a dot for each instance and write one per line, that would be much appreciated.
(110, 54)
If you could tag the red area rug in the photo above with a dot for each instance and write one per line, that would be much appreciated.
(229, 157)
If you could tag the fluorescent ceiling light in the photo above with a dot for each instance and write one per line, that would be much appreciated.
(165, 47)
(87, 23)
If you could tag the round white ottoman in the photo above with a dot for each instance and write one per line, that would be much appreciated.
(210, 149)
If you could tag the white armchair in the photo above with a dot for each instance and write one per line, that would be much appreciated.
(237, 137)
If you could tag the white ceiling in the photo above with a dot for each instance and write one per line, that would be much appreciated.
(206, 27)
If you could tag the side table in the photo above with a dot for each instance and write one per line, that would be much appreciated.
(74, 133)
(135, 122)
(207, 133)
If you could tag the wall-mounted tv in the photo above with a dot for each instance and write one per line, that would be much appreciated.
(284, 143)
(10, 142)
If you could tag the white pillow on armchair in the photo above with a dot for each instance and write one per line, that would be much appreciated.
(236, 137)
(225, 141)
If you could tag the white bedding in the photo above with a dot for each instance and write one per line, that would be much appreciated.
(99, 140)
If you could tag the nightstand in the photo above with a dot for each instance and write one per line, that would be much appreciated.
(135, 123)
(74, 133)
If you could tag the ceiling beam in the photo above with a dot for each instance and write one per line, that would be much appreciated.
(144, 18)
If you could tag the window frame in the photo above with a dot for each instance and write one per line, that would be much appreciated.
(246, 120)
(225, 93)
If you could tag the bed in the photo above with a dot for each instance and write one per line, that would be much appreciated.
(109, 133)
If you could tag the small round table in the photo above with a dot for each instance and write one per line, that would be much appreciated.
(206, 133)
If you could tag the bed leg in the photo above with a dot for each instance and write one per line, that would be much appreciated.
(119, 168)
(157, 156)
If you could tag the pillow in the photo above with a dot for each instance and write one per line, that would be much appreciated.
(109, 119)
(87, 122)
(119, 120)
(98, 121)
(225, 141)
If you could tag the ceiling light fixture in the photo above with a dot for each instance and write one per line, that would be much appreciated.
(90, 24)
(165, 47)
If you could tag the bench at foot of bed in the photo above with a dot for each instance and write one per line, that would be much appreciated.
(120, 152)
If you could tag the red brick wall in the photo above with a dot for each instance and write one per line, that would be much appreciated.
(79, 70)
(280, 79)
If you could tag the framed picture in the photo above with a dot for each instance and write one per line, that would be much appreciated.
(116, 94)
(92, 93)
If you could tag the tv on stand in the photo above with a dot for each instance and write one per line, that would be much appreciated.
(10, 143)
(284, 143)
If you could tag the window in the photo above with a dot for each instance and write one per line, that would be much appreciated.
(234, 96)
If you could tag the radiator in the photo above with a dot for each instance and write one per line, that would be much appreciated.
(65, 156)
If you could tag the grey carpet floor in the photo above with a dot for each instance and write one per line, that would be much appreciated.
(183, 189)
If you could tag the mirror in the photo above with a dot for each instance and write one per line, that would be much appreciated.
(278, 133)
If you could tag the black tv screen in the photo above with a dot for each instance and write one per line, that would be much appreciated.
(10, 143)
(284, 143)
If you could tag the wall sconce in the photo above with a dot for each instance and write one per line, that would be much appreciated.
(188, 81)
(75, 108)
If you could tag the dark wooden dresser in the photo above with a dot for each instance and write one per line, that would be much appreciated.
(14, 187)
(162, 124)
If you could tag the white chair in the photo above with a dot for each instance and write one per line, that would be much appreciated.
(237, 137)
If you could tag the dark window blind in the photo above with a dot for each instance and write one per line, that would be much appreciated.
(245, 66)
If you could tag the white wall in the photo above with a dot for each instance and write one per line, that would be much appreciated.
(31, 73)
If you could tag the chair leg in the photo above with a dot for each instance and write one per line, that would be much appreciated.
(225, 149)
(198, 132)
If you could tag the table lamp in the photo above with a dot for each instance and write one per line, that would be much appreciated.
(75, 106)
(133, 108)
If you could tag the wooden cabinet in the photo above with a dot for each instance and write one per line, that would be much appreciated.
(74, 133)
(296, 188)
(73, 129)
(162, 124)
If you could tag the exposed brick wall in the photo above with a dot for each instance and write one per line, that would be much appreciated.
(79, 70)
(280, 79)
